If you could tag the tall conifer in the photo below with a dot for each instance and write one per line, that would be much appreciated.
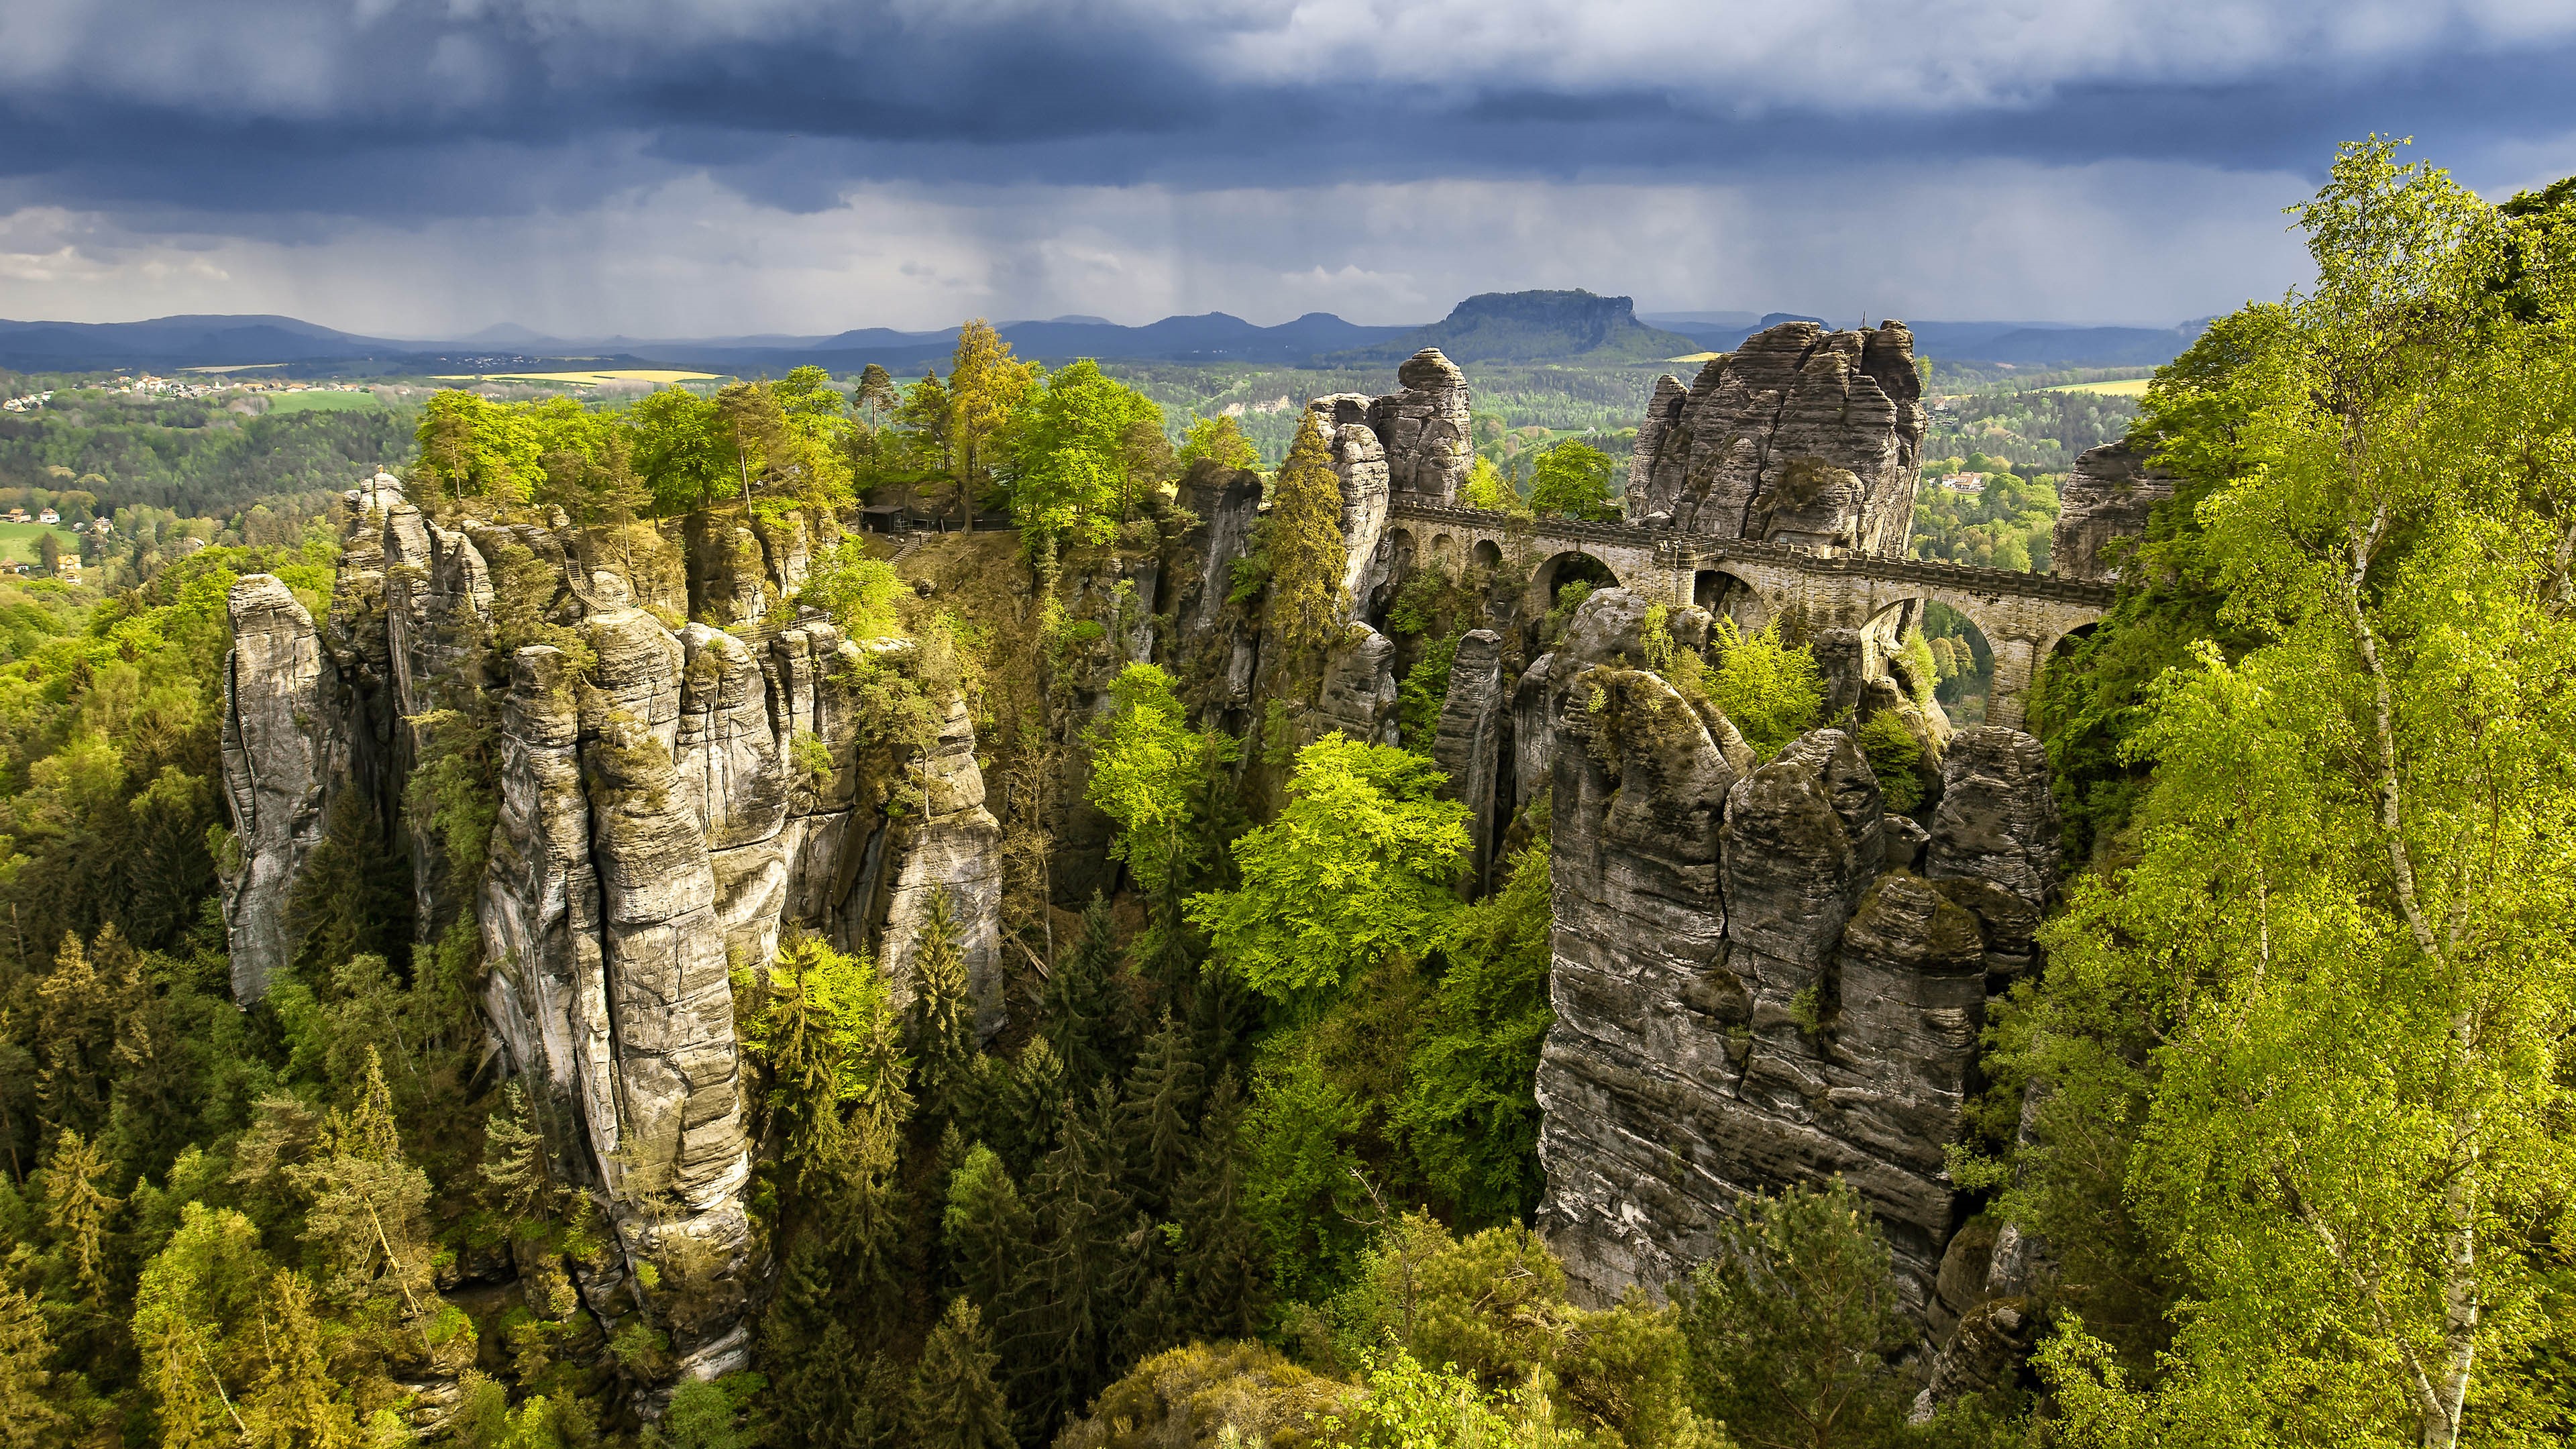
(1307, 551)
(1079, 1010)
(1223, 1274)
(956, 1404)
(942, 1016)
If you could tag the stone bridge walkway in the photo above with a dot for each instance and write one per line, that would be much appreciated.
(2021, 615)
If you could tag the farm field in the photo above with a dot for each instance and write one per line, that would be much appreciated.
(316, 401)
(2124, 387)
(18, 540)
(632, 374)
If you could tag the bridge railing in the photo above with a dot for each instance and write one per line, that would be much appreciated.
(1689, 549)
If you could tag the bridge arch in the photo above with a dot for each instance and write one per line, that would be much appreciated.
(1729, 595)
(1569, 565)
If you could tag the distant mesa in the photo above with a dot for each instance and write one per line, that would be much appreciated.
(1575, 326)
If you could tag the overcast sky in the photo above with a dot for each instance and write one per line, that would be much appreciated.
(425, 168)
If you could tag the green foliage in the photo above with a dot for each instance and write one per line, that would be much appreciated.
(1356, 867)
(2027, 425)
(1770, 691)
(1469, 1110)
(680, 450)
(1220, 440)
(1572, 480)
(473, 447)
(1302, 539)
(809, 1021)
(1151, 774)
(1896, 758)
(1922, 668)
(956, 1404)
(2315, 1018)
(1486, 488)
(1793, 1325)
(2006, 526)
(191, 458)
(1085, 450)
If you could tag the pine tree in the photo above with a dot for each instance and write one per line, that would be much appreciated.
(368, 1225)
(1160, 1102)
(353, 896)
(27, 1419)
(1307, 551)
(77, 1007)
(987, 1231)
(295, 1405)
(1063, 1337)
(1222, 1270)
(942, 1017)
(1079, 1011)
(956, 1404)
(78, 1211)
(1033, 1105)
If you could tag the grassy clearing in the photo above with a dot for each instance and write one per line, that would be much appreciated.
(316, 401)
(632, 374)
(2125, 387)
(18, 540)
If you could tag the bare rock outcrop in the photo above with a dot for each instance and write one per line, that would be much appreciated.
(1752, 986)
(1359, 460)
(1801, 436)
(1424, 428)
(1475, 721)
(2102, 508)
(280, 754)
(671, 802)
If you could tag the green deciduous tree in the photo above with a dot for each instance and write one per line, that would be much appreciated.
(1469, 1109)
(1080, 457)
(1772, 692)
(1357, 866)
(808, 1021)
(1571, 479)
(681, 450)
(986, 386)
(2347, 931)
(1219, 440)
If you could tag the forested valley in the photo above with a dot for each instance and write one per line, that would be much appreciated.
(1228, 1132)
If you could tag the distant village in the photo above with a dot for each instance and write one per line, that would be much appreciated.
(150, 385)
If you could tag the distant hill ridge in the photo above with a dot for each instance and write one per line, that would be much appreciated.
(1574, 326)
(1490, 327)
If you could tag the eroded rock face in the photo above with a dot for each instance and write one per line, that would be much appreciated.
(1424, 428)
(1475, 722)
(280, 753)
(663, 819)
(1359, 460)
(2104, 502)
(1801, 436)
(1752, 987)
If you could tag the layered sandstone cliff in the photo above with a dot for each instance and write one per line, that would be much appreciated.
(2102, 511)
(660, 823)
(1801, 436)
(1753, 985)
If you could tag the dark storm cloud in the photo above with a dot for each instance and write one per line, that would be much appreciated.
(272, 110)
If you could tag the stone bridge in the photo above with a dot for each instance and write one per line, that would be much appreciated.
(2021, 615)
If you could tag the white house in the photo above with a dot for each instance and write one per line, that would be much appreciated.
(49, 517)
